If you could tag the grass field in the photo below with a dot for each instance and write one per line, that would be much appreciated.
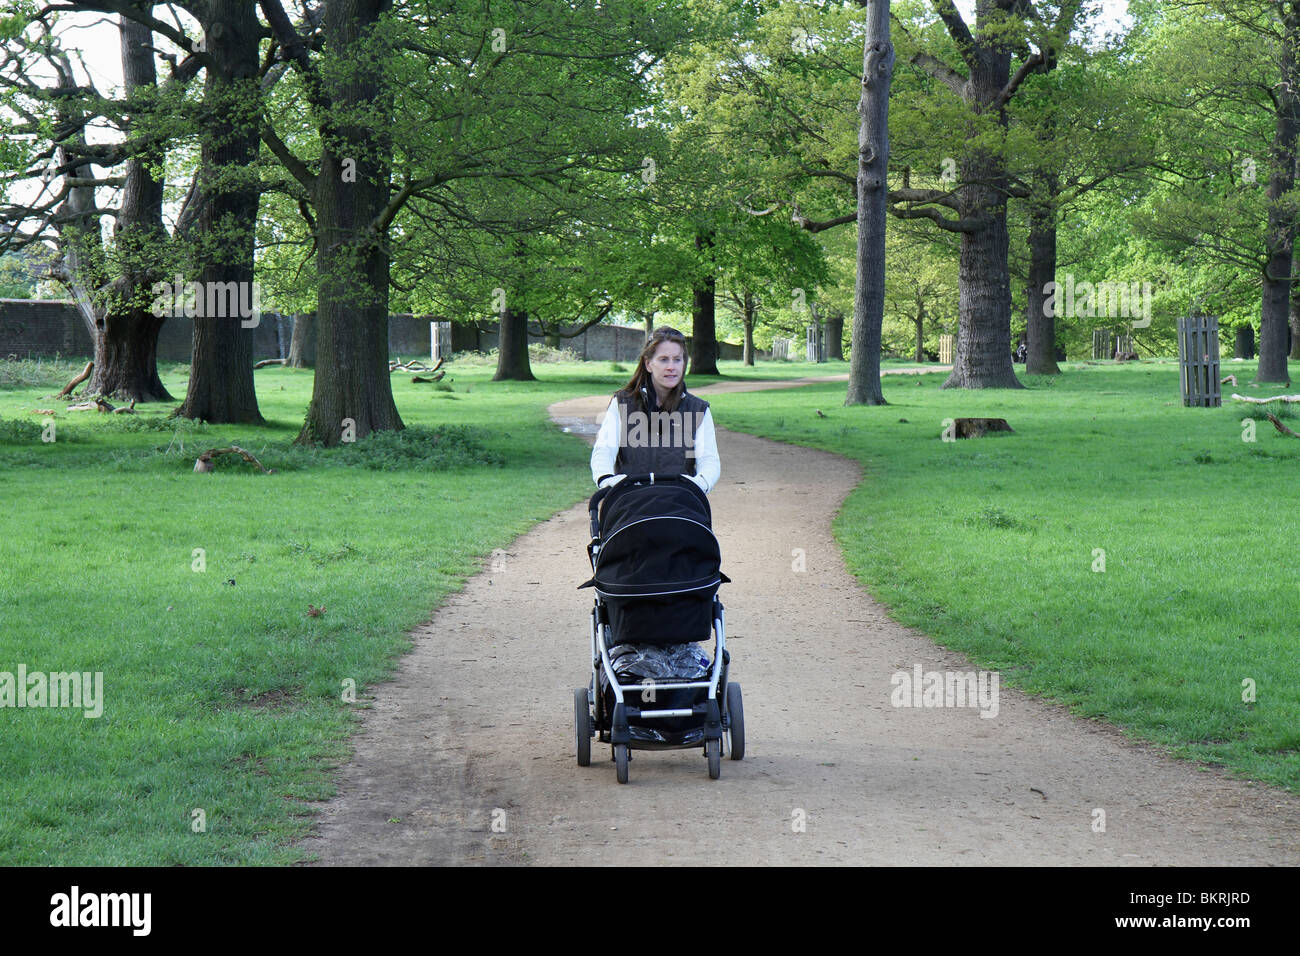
(996, 546)
(224, 695)
(221, 693)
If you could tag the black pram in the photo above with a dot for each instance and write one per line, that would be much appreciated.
(656, 575)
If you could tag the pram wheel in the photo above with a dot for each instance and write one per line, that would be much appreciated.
(582, 726)
(713, 750)
(620, 761)
(735, 723)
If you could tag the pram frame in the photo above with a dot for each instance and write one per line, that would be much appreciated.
(614, 728)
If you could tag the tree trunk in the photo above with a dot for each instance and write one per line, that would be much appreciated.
(126, 330)
(873, 201)
(302, 344)
(983, 354)
(704, 335)
(747, 320)
(352, 386)
(1244, 346)
(1295, 317)
(919, 321)
(1280, 237)
(835, 335)
(1040, 316)
(221, 368)
(982, 357)
(512, 347)
(126, 357)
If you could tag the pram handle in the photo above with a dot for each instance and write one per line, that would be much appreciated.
(593, 507)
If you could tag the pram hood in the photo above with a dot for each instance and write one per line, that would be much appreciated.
(655, 539)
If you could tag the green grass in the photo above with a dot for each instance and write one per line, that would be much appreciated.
(227, 697)
(989, 545)
(220, 696)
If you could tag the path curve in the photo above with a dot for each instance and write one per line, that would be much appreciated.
(467, 756)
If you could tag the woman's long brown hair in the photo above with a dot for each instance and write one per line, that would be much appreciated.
(641, 377)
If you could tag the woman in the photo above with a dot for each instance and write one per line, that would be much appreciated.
(654, 425)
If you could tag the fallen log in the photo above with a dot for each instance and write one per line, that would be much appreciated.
(414, 366)
(1282, 428)
(1265, 401)
(76, 380)
(96, 404)
(1229, 380)
(437, 378)
(265, 362)
(204, 462)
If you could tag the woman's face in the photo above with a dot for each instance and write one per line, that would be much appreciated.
(666, 366)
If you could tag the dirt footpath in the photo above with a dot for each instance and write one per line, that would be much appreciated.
(467, 757)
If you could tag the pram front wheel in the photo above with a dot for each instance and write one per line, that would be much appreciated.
(735, 722)
(713, 750)
(620, 762)
(582, 726)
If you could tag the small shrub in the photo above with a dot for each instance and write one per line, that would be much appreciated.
(38, 372)
(20, 431)
(1279, 410)
(415, 447)
(996, 518)
(547, 355)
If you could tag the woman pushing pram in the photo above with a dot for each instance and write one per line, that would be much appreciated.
(656, 574)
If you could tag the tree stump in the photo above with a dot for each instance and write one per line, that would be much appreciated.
(979, 427)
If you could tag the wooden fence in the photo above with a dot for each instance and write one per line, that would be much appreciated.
(1198, 360)
(946, 343)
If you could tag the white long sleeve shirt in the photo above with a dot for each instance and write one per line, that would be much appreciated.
(708, 466)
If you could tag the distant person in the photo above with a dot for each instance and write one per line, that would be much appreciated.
(654, 425)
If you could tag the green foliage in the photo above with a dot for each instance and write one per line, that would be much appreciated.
(37, 372)
(17, 430)
(418, 447)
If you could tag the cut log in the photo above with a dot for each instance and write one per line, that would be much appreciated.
(1265, 401)
(77, 380)
(414, 366)
(97, 404)
(979, 427)
(204, 461)
(1282, 428)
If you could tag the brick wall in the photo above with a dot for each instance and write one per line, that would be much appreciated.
(31, 328)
